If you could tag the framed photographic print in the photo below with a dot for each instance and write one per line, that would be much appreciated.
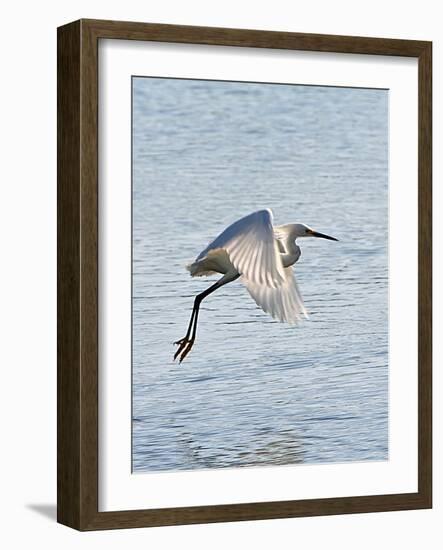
(244, 274)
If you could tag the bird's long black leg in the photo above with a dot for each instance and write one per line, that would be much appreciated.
(186, 343)
(186, 346)
(183, 341)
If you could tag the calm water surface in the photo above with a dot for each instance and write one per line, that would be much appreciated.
(255, 391)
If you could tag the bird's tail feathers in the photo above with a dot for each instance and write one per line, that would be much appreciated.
(195, 270)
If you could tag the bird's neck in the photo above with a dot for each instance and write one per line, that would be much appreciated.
(291, 246)
(292, 252)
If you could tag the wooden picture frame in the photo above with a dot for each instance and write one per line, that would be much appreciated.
(78, 274)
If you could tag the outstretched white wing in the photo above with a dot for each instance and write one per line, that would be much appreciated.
(283, 302)
(252, 249)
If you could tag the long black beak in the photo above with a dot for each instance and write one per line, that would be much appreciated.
(323, 236)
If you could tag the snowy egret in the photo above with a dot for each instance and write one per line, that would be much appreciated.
(262, 255)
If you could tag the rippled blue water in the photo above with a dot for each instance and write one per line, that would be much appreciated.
(255, 391)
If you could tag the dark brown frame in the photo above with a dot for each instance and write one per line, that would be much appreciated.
(77, 456)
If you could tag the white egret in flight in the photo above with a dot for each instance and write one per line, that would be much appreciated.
(262, 255)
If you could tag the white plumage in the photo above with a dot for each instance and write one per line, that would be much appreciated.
(263, 256)
(283, 302)
(250, 247)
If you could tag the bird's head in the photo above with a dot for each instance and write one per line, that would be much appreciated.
(302, 230)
